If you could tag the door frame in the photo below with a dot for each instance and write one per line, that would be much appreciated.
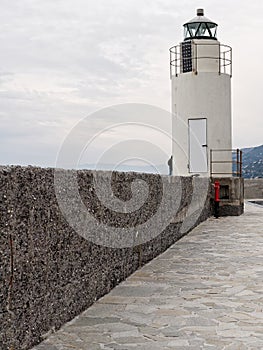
(206, 146)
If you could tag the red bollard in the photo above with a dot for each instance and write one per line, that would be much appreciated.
(217, 198)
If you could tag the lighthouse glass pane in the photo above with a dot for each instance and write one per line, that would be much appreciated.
(202, 30)
(197, 146)
(186, 33)
(193, 28)
(213, 28)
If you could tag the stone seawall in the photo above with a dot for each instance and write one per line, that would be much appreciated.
(48, 272)
(253, 188)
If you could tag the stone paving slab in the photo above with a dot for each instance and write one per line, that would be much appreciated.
(205, 292)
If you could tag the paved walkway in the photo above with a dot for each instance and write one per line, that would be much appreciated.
(205, 292)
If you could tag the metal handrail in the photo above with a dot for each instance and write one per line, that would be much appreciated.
(224, 58)
(238, 162)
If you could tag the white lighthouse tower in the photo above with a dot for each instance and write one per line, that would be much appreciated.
(201, 70)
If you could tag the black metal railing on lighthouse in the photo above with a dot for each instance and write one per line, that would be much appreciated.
(182, 57)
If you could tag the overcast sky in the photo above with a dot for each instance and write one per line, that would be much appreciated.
(62, 60)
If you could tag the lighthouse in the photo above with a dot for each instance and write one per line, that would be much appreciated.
(201, 71)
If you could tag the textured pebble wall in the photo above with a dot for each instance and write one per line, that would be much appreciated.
(48, 272)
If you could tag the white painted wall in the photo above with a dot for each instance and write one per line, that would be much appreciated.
(201, 95)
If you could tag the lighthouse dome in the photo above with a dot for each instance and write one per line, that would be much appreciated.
(200, 27)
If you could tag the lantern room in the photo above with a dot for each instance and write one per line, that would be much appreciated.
(200, 27)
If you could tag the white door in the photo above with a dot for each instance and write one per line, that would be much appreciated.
(197, 145)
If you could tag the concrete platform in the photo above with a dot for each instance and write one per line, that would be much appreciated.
(205, 292)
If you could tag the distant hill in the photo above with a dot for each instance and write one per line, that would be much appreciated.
(253, 162)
